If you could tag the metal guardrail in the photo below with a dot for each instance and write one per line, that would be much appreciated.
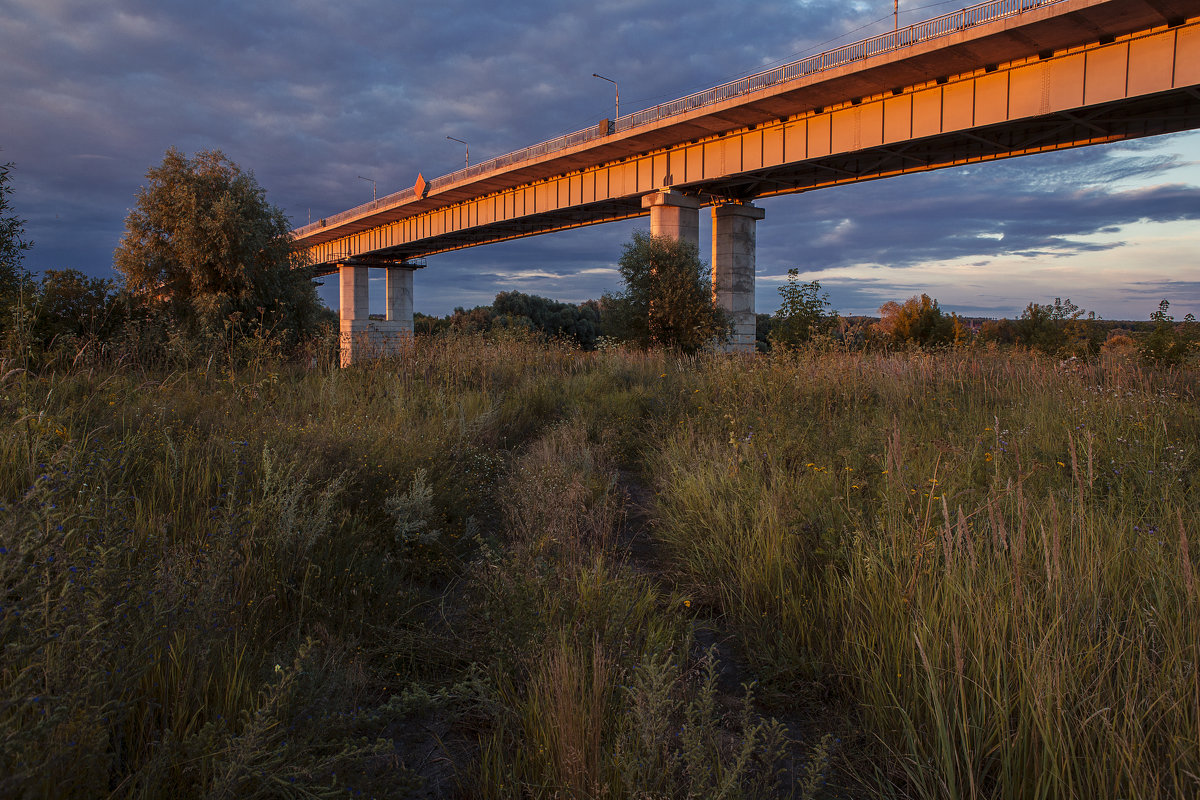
(892, 40)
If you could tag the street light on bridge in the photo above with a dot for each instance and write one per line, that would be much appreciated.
(618, 90)
(372, 182)
(467, 159)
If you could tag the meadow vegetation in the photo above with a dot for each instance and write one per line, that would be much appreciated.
(499, 567)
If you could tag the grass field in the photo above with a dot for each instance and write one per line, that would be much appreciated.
(504, 569)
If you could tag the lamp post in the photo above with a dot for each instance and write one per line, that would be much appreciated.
(372, 182)
(467, 159)
(618, 90)
(896, 14)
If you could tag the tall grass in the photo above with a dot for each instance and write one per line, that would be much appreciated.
(417, 577)
(990, 555)
(174, 541)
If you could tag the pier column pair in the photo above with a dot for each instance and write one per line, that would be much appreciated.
(733, 253)
(363, 337)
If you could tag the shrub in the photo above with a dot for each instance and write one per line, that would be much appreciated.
(1061, 328)
(803, 313)
(919, 321)
(1168, 344)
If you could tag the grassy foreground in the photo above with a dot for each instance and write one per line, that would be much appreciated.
(497, 568)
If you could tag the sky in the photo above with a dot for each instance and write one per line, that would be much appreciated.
(314, 96)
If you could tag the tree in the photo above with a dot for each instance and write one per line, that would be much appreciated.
(918, 320)
(70, 303)
(204, 243)
(550, 317)
(12, 249)
(1000, 331)
(667, 300)
(1059, 329)
(803, 312)
(1167, 344)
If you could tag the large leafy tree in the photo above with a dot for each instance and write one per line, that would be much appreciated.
(204, 242)
(667, 301)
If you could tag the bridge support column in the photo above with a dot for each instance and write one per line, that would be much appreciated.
(733, 251)
(674, 215)
(354, 313)
(400, 298)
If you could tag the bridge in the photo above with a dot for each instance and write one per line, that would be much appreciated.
(998, 79)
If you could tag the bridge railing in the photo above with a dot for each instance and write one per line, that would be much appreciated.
(937, 27)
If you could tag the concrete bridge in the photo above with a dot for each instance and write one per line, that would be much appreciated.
(999, 79)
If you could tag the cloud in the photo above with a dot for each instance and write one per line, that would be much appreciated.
(1047, 209)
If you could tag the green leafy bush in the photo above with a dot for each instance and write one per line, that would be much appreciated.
(803, 313)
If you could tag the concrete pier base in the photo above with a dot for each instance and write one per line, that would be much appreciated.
(674, 215)
(362, 337)
(733, 253)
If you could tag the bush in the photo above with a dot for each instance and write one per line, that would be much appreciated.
(803, 313)
(71, 304)
(919, 321)
(1168, 344)
(1061, 328)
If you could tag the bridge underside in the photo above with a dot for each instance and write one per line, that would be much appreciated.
(1168, 112)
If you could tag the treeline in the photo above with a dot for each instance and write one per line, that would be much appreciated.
(515, 311)
(1061, 328)
(206, 268)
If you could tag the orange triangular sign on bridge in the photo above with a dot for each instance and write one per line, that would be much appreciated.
(420, 186)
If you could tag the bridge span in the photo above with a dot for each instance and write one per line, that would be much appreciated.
(995, 80)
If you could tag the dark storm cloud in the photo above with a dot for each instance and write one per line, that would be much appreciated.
(310, 95)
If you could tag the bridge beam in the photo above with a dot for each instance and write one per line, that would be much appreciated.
(733, 252)
(674, 215)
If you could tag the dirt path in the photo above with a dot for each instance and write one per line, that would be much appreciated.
(806, 722)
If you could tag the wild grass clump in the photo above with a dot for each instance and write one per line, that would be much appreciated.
(201, 598)
(992, 557)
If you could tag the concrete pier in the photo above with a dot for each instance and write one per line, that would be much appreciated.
(733, 252)
(354, 313)
(674, 215)
(400, 297)
(363, 337)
